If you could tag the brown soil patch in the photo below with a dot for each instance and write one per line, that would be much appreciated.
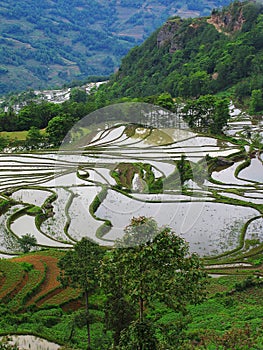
(49, 295)
(50, 288)
(217, 24)
(50, 282)
(73, 305)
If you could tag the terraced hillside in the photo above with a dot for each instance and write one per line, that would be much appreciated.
(31, 281)
(207, 189)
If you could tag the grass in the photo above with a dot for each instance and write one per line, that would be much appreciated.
(233, 306)
(27, 287)
(13, 274)
(17, 135)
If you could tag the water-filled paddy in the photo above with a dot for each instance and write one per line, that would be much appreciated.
(254, 172)
(208, 227)
(77, 174)
(30, 342)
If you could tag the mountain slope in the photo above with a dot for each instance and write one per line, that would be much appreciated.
(197, 56)
(46, 42)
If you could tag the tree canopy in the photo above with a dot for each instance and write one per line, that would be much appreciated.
(193, 57)
(151, 264)
(79, 269)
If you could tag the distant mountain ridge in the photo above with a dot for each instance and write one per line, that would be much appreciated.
(193, 57)
(45, 43)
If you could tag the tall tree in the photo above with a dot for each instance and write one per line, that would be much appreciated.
(58, 127)
(79, 269)
(155, 265)
(256, 102)
(34, 137)
(207, 113)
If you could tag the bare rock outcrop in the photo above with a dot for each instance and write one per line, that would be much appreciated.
(167, 35)
(228, 21)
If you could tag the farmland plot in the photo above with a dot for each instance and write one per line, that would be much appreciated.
(93, 188)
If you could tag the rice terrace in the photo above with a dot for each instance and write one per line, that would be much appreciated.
(97, 182)
(208, 189)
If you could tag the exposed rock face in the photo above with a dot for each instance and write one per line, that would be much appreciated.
(229, 21)
(167, 35)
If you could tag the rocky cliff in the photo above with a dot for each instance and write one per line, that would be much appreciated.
(229, 20)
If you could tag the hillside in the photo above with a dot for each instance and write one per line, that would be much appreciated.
(32, 301)
(192, 57)
(47, 43)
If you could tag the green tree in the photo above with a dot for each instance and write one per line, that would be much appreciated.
(78, 95)
(34, 137)
(58, 128)
(257, 142)
(256, 102)
(3, 142)
(207, 113)
(37, 114)
(220, 115)
(199, 82)
(79, 269)
(155, 265)
(165, 100)
(27, 242)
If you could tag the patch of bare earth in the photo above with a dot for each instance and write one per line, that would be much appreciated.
(46, 265)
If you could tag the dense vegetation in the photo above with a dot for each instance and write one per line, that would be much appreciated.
(194, 57)
(229, 318)
(46, 43)
(185, 58)
(127, 300)
(131, 305)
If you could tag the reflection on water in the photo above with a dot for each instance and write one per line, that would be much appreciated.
(76, 175)
(254, 172)
(30, 342)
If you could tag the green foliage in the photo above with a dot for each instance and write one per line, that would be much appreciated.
(207, 113)
(26, 266)
(139, 335)
(256, 102)
(3, 142)
(58, 128)
(52, 44)
(34, 114)
(27, 242)
(189, 58)
(34, 210)
(98, 200)
(247, 283)
(149, 265)
(185, 170)
(34, 137)
(228, 319)
(77, 95)
(4, 205)
(79, 269)
(79, 266)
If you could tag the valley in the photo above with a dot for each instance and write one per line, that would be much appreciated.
(131, 206)
(45, 44)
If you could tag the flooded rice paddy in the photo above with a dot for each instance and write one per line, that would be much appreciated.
(134, 170)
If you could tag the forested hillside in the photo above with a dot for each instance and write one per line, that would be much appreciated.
(47, 43)
(192, 57)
